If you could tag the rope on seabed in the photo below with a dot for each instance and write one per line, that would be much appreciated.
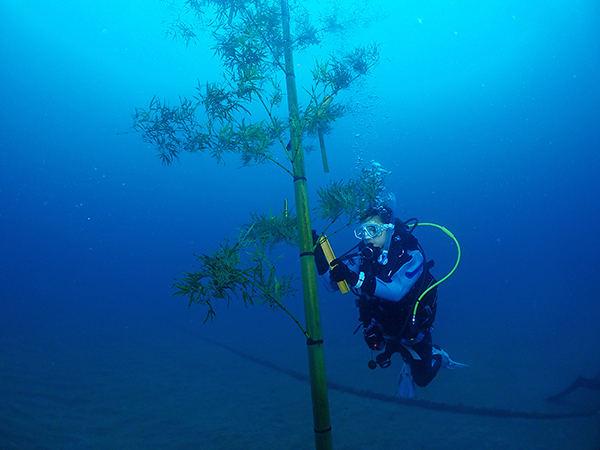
(424, 404)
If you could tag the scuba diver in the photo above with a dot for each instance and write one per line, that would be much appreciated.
(589, 383)
(389, 275)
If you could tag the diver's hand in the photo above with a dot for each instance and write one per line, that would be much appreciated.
(341, 272)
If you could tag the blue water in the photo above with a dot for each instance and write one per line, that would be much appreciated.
(486, 114)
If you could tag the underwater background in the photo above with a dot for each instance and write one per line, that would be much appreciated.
(486, 115)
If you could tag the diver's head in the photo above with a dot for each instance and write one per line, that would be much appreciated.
(375, 228)
(377, 224)
(384, 212)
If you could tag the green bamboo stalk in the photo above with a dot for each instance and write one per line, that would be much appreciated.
(316, 357)
(323, 151)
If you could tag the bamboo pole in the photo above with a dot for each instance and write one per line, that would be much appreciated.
(323, 151)
(316, 357)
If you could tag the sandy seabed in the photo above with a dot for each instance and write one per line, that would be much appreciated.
(133, 389)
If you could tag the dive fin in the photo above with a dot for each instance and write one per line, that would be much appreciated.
(406, 385)
(446, 361)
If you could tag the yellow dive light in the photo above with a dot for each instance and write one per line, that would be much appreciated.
(328, 251)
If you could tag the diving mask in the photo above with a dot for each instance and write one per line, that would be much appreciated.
(370, 230)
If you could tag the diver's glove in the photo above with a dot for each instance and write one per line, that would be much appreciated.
(320, 260)
(341, 272)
